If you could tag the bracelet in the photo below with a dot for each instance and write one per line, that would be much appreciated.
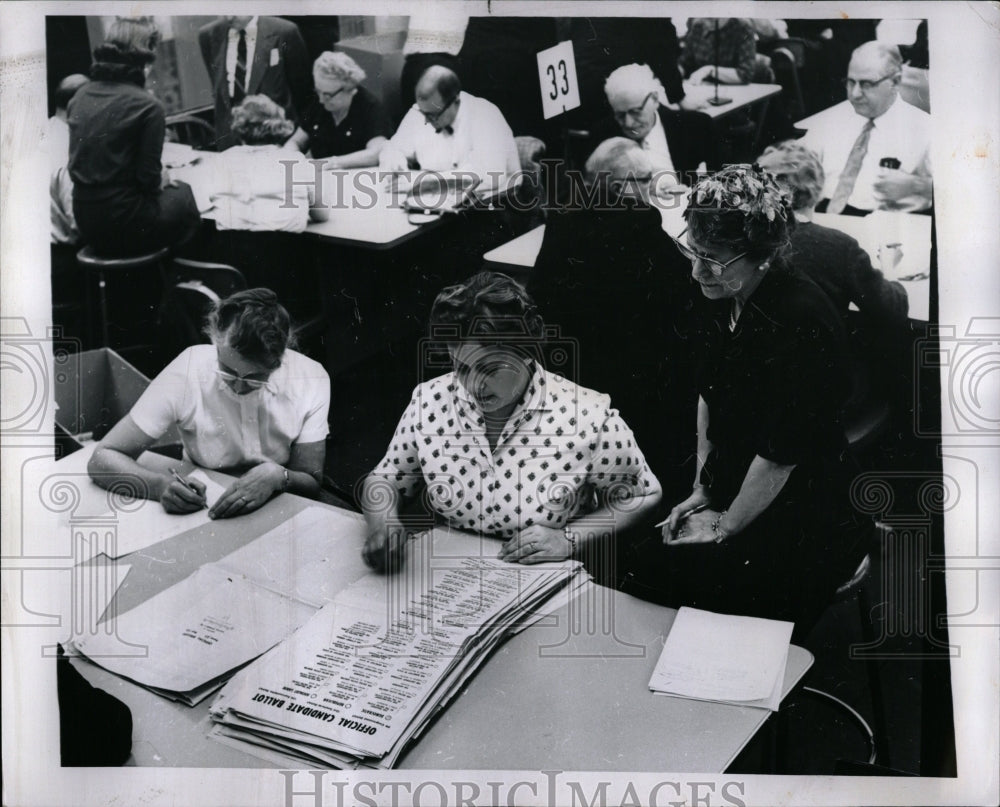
(569, 536)
(719, 533)
(284, 484)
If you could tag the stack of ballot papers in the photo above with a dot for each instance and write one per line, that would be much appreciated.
(362, 678)
(738, 660)
(184, 642)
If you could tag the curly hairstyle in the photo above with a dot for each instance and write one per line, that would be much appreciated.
(254, 324)
(797, 168)
(128, 47)
(490, 307)
(258, 121)
(338, 66)
(741, 207)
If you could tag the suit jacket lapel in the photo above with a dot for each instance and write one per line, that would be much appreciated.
(266, 40)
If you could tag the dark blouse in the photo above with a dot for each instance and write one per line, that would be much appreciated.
(365, 119)
(737, 47)
(839, 266)
(774, 387)
(116, 139)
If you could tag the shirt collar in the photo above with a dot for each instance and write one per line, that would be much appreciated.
(533, 400)
(250, 28)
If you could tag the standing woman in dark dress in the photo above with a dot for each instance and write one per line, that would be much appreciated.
(345, 125)
(768, 529)
(123, 201)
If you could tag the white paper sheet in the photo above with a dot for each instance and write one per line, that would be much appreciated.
(720, 657)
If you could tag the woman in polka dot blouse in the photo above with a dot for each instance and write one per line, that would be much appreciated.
(502, 446)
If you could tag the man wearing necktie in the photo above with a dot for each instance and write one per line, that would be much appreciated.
(251, 56)
(874, 146)
(448, 130)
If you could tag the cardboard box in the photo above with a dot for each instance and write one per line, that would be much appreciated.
(94, 390)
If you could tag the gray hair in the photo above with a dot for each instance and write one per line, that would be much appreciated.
(339, 67)
(259, 121)
(799, 169)
(616, 155)
(889, 54)
(634, 77)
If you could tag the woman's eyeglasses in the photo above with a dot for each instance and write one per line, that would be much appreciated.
(232, 378)
(329, 96)
(716, 267)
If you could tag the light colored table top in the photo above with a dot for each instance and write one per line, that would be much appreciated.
(584, 692)
(911, 231)
(743, 95)
(363, 213)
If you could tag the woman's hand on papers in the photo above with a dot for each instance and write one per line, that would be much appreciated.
(383, 550)
(536, 544)
(183, 497)
(250, 492)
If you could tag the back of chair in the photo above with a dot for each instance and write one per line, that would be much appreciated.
(192, 131)
(192, 289)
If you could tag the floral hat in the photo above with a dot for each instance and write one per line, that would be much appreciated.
(748, 189)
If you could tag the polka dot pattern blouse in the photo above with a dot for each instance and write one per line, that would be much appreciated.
(561, 447)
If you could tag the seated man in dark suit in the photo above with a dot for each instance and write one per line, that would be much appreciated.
(254, 56)
(606, 274)
(677, 142)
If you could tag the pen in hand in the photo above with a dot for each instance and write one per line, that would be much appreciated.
(690, 512)
(184, 482)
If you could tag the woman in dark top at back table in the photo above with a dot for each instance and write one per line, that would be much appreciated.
(124, 203)
(345, 124)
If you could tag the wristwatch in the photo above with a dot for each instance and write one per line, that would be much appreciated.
(719, 533)
(569, 536)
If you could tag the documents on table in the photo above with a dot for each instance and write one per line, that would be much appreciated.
(718, 657)
(197, 632)
(146, 522)
(366, 673)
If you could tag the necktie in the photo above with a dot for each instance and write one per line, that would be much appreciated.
(240, 75)
(845, 186)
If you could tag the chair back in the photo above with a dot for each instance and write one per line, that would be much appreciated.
(191, 131)
(192, 289)
(529, 151)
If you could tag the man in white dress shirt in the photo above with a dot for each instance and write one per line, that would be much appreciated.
(448, 130)
(874, 146)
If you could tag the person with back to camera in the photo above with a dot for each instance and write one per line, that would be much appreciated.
(124, 202)
(251, 187)
(501, 445)
(768, 529)
(246, 404)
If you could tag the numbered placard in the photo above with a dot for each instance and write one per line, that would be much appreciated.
(557, 79)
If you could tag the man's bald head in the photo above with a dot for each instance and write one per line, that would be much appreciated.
(873, 77)
(438, 79)
(437, 94)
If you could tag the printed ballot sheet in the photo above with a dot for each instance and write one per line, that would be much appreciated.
(369, 669)
(719, 657)
(229, 612)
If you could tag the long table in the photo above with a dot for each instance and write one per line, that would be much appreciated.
(578, 679)
(911, 231)
(742, 96)
(363, 211)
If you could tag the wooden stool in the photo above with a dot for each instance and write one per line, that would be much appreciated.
(91, 262)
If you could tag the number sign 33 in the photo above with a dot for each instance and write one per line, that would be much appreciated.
(557, 80)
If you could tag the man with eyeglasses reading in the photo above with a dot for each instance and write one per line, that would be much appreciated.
(875, 147)
(455, 134)
(677, 142)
